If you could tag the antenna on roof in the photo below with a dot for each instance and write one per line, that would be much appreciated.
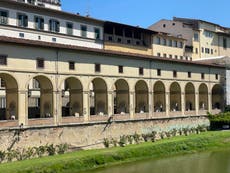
(88, 8)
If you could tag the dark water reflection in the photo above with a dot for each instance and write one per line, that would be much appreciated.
(212, 162)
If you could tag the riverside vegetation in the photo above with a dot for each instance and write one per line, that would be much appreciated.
(91, 159)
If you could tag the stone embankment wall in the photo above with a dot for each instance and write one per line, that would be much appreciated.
(91, 135)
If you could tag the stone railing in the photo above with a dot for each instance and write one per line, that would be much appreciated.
(141, 115)
(125, 116)
(9, 123)
(175, 113)
(96, 118)
(190, 113)
(41, 121)
(72, 119)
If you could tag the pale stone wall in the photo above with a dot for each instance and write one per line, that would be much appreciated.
(91, 135)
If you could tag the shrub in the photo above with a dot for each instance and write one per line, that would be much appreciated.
(40, 151)
(51, 150)
(114, 142)
(130, 139)
(2, 156)
(136, 138)
(62, 148)
(106, 142)
(123, 140)
(154, 136)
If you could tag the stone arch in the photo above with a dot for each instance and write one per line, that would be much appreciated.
(203, 97)
(72, 97)
(40, 97)
(159, 97)
(9, 97)
(121, 97)
(190, 104)
(98, 97)
(141, 97)
(175, 97)
(217, 97)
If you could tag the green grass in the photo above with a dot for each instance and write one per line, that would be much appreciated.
(91, 159)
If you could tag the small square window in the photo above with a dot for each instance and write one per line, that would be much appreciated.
(217, 76)
(158, 72)
(141, 71)
(189, 74)
(22, 35)
(174, 73)
(40, 63)
(54, 39)
(71, 65)
(3, 59)
(120, 69)
(202, 76)
(97, 67)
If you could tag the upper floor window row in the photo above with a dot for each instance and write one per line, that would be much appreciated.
(170, 43)
(54, 25)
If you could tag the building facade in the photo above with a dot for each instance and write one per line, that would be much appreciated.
(60, 70)
(203, 39)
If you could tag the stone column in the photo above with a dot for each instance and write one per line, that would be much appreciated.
(150, 104)
(86, 105)
(183, 103)
(110, 103)
(132, 104)
(167, 103)
(57, 107)
(209, 102)
(23, 107)
(197, 103)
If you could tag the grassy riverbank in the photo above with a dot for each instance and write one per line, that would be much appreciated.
(85, 160)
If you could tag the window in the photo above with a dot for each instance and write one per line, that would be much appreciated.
(217, 76)
(83, 31)
(40, 63)
(3, 59)
(35, 84)
(69, 28)
(189, 74)
(202, 49)
(170, 43)
(2, 102)
(176, 57)
(22, 35)
(181, 57)
(202, 76)
(39, 23)
(159, 54)
(196, 37)
(196, 50)
(97, 34)
(208, 34)
(224, 43)
(158, 40)
(2, 83)
(174, 73)
(141, 71)
(3, 17)
(120, 69)
(22, 20)
(158, 72)
(54, 39)
(207, 50)
(170, 56)
(211, 51)
(97, 67)
(164, 55)
(71, 65)
(54, 25)
(164, 42)
(175, 43)
(181, 44)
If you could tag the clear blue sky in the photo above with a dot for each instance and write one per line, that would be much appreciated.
(146, 12)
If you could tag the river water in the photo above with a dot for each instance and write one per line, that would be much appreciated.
(210, 162)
